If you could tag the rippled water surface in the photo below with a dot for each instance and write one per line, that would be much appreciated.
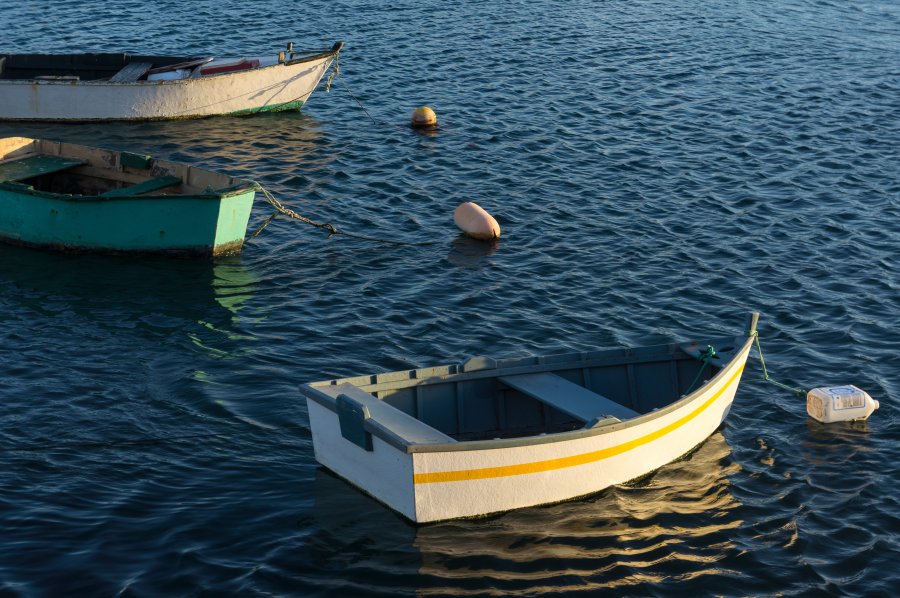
(658, 169)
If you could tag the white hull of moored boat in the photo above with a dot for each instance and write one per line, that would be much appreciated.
(280, 86)
(465, 484)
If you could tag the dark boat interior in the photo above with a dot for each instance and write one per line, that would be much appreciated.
(84, 67)
(501, 407)
(38, 165)
(531, 396)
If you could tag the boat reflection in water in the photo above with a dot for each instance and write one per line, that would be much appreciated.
(676, 524)
(247, 147)
(94, 286)
(672, 524)
(233, 285)
(189, 306)
(141, 340)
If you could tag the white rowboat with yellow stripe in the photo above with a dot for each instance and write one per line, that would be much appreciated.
(490, 435)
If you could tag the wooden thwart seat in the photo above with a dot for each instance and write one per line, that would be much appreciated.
(356, 407)
(145, 187)
(26, 168)
(567, 396)
(131, 72)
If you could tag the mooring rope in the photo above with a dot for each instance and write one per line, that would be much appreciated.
(280, 209)
(705, 357)
(336, 72)
(797, 391)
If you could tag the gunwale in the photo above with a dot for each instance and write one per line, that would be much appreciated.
(317, 392)
(166, 59)
(198, 182)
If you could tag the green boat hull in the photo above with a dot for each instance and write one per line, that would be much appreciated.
(202, 224)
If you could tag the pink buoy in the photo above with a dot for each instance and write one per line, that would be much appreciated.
(475, 222)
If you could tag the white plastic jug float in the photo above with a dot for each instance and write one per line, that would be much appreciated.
(828, 404)
(839, 404)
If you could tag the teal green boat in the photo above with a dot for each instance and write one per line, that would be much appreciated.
(72, 197)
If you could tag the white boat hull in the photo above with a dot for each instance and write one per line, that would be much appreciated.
(277, 87)
(435, 484)
(465, 484)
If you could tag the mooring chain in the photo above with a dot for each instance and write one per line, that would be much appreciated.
(330, 228)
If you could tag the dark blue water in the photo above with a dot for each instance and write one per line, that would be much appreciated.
(658, 169)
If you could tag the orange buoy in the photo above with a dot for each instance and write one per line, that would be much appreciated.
(475, 222)
(423, 118)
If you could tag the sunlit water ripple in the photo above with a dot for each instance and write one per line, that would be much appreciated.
(658, 169)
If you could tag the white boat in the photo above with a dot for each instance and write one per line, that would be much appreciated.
(92, 87)
(488, 436)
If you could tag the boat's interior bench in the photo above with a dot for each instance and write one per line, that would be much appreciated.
(144, 187)
(32, 166)
(568, 397)
(131, 72)
(355, 407)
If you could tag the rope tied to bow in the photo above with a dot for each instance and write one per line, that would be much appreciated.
(797, 391)
(705, 356)
(281, 209)
(335, 71)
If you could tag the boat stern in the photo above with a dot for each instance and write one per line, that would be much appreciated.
(231, 224)
(344, 444)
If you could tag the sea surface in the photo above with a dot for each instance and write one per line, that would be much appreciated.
(658, 168)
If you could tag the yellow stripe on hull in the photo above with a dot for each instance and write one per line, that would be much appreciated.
(571, 461)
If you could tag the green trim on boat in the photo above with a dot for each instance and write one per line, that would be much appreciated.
(294, 105)
(129, 160)
(32, 166)
(145, 187)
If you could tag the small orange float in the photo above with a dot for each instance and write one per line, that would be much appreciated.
(423, 118)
